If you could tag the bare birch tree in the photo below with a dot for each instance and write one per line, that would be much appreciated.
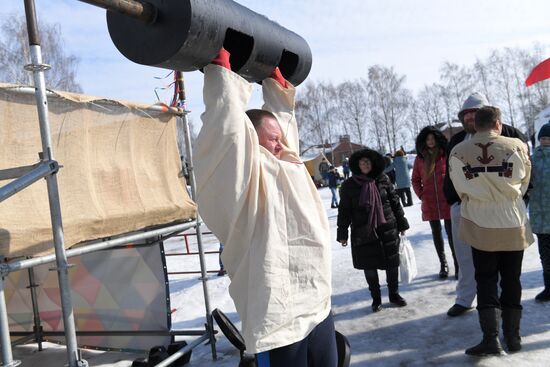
(389, 101)
(14, 54)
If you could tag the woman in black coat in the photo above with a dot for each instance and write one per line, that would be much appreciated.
(369, 203)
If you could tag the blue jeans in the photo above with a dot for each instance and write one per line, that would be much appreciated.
(334, 201)
(318, 349)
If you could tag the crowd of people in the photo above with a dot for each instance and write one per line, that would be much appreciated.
(256, 195)
(478, 184)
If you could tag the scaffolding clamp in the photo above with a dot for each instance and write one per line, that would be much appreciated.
(4, 269)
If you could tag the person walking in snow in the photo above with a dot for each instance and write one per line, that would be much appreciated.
(466, 285)
(491, 174)
(323, 170)
(257, 197)
(345, 168)
(539, 205)
(389, 170)
(427, 181)
(370, 205)
(333, 178)
(402, 177)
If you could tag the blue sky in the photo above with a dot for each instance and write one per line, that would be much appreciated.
(346, 37)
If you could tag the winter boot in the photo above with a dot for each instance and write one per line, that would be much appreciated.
(489, 319)
(444, 269)
(397, 300)
(510, 328)
(544, 296)
(439, 248)
(376, 302)
(374, 288)
(392, 277)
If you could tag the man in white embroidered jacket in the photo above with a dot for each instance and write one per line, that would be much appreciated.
(258, 198)
(491, 173)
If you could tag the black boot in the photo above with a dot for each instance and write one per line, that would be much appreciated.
(489, 319)
(439, 248)
(544, 296)
(376, 302)
(397, 300)
(510, 328)
(444, 269)
(374, 288)
(392, 277)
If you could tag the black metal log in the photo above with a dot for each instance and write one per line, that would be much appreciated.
(187, 34)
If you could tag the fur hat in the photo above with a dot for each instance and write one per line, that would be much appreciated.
(544, 131)
(376, 159)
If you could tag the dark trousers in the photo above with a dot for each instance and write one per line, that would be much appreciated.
(392, 278)
(318, 349)
(488, 266)
(405, 195)
(437, 236)
(544, 252)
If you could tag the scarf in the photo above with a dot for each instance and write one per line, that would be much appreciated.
(370, 199)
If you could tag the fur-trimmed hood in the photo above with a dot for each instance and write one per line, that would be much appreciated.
(377, 161)
(421, 139)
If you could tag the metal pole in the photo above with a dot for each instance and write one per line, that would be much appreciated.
(93, 247)
(53, 192)
(174, 357)
(135, 9)
(154, 108)
(7, 357)
(204, 274)
(44, 169)
(36, 315)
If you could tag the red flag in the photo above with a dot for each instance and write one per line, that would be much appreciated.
(539, 73)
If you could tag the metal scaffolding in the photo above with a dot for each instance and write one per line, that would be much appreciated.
(47, 168)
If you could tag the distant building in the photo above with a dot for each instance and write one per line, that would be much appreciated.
(336, 152)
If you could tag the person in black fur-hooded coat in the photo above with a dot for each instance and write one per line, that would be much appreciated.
(370, 205)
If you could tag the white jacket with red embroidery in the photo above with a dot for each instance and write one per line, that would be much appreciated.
(491, 174)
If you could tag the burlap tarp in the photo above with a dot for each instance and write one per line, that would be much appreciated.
(121, 170)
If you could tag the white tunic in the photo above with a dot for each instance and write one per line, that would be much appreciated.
(266, 211)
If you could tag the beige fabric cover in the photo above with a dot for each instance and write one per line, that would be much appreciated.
(120, 171)
(266, 211)
(493, 213)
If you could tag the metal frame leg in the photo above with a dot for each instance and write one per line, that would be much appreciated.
(204, 275)
(5, 341)
(38, 68)
(36, 314)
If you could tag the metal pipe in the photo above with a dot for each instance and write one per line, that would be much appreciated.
(32, 24)
(53, 191)
(136, 9)
(50, 94)
(36, 314)
(174, 357)
(11, 173)
(44, 169)
(5, 342)
(97, 246)
(204, 274)
(117, 333)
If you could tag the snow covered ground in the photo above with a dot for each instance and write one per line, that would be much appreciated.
(420, 334)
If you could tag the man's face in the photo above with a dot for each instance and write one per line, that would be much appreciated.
(269, 135)
(469, 121)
